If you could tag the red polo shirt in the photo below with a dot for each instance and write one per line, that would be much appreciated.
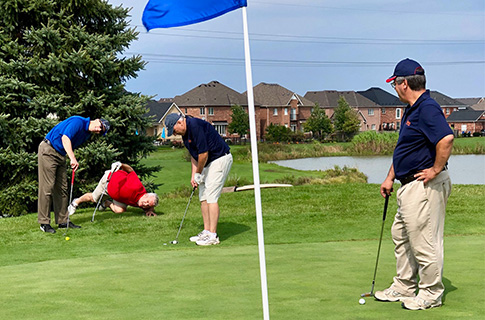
(126, 188)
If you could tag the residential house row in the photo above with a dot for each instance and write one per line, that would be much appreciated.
(378, 110)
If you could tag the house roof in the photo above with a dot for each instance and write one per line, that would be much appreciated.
(465, 116)
(381, 97)
(444, 100)
(329, 98)
(213, 93)
(157, 109)
(470, 101)
(272, 94)
(479, 106)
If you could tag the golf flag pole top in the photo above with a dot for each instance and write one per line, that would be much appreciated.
(176, 13)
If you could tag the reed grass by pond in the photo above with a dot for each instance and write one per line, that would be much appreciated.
(364, 144)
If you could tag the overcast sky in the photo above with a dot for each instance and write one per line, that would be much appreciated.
(310, 45)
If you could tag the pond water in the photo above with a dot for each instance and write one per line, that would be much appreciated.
(463, 169)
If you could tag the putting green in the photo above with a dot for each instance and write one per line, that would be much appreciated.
(305, 281)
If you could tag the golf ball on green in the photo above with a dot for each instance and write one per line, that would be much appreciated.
(362, 301)
(175, 242)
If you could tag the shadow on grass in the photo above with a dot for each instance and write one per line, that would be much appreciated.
(225, 230)
(448, 288)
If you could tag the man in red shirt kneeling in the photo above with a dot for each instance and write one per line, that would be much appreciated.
(123, 187)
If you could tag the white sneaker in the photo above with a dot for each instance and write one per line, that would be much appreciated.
(200, 236)
(208, 240)
(390, 295)
(72, 207)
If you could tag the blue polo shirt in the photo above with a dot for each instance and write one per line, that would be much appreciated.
(423, 125)
(75, 128)
(201, 137)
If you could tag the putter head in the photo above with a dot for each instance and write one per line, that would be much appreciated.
(367, 294)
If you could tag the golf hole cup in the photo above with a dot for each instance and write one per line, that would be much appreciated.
(361, 301)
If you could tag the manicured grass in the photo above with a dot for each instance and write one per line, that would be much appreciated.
(321, 244)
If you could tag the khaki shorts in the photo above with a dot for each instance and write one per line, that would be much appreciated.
(215, 175)
(101, 190)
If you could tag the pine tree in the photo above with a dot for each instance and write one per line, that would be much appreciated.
(58, 59)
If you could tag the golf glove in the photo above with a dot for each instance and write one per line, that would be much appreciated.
(198, 178)
(115, 166)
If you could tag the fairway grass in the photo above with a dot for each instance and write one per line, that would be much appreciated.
(305, 281)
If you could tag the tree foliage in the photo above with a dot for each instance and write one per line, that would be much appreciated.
(318, 123)
(239, 121)
(346, 120)
(58, 59)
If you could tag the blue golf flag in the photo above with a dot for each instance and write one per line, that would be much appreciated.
(175, 13)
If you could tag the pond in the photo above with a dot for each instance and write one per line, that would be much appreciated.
(464, 169)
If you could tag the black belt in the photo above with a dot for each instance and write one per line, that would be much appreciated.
(411, 177)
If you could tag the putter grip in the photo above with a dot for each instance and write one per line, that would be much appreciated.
(385, 208)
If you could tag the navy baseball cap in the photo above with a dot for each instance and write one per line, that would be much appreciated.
(170, 121)
(406, 67)
(105, 124)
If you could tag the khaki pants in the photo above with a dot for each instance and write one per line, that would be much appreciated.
(215, 176)
(417, 233)
(52, 185)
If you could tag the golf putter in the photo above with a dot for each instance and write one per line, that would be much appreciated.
(70, 200)
(371, 293)
(102, 195)
(183, 218)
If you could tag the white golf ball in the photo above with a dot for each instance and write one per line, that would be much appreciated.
(362, 301)
(175, 242)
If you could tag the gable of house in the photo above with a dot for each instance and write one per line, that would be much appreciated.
(213, 93)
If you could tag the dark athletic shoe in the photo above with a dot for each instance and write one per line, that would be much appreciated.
(47, 228)
(71, 225)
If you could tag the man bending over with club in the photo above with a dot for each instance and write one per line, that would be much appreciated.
(60, 142)
(211, 163)
(419, 163)
(122, 184)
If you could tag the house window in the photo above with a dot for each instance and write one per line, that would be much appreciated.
(202, 111)
(447, 110)
(286, 111)
(370, 111)
(398, 113)
(383, 110)
(185, 110)
(373, 127)
(275, 111)
(398, 125)
(211, 111)
(221, 128)
(293, 114)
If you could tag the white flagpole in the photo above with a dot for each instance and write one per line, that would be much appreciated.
(254, 153)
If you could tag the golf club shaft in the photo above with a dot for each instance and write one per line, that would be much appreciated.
(70, 199)
(380, 242)
(183, 218)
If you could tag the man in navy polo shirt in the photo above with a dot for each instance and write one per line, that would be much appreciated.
(53, 188)
(419, 163)
(211, 163)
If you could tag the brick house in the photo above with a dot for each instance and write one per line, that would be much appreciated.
(391, 108)
(467, 121)
(448, 105)
(159, 111)
(280, 106)
(212, 102)
(368, 110)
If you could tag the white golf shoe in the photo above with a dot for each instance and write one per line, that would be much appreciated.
(208, 240)
(200, 236)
